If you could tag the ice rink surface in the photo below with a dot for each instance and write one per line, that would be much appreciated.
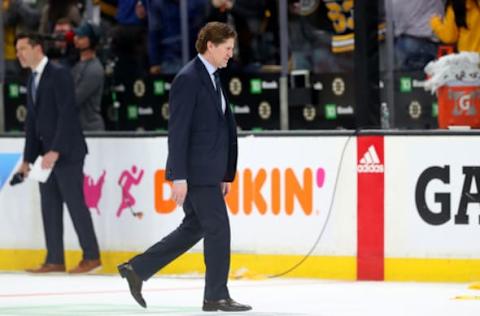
(61, 294)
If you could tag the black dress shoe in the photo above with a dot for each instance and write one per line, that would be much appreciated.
(225, 305)
(134, 282)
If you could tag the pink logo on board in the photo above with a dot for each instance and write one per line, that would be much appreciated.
(127, 179)
(93, 190)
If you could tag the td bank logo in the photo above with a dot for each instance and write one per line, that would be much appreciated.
(262, 191)
(7, 164)
(405, 84)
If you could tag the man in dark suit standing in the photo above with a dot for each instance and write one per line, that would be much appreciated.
(202, 159)
(53, 131)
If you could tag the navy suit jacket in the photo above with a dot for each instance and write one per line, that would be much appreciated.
(52, 120)
(202, 140)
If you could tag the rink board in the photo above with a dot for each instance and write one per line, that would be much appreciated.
(432, 208)
(279, 205)
(289, 193)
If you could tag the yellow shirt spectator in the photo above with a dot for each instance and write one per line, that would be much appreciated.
(466, 39)
(9, 37)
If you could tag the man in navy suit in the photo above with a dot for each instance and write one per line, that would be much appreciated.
(202, 159)
(53, 131)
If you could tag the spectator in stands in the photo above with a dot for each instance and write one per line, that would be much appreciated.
(257, 27)
(63, 51)
(341, 15)
(129, 40)
(460, 25)
(58, 9)
(88, 75)
(18, 16)
(310, 37)
(20, 12)
(164, 32)
(415, 43)
(108, 11)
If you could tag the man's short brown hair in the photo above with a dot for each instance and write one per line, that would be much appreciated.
(215, 32)
(34, 39)
(64, 20)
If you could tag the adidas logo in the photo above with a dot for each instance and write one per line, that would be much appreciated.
(370, 163)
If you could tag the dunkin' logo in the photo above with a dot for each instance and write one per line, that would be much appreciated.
(262, 191)
(370, 163)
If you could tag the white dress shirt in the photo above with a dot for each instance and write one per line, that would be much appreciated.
(39, 70)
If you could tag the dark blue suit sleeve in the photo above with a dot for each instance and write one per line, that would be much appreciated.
(64, 95)
(31, 149)
(182, 105)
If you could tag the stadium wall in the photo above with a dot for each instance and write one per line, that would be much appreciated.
(367, 206)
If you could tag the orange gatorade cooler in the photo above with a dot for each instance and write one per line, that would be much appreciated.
(459, 105)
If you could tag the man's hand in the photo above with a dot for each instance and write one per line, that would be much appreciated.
(179, 192)
(24, 168)
(225, 187)
(49, 159)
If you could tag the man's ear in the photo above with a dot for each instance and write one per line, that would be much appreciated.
(210, 45)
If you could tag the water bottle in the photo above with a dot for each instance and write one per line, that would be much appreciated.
(384, 116)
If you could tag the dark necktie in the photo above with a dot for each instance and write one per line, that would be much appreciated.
(34, 86)
(218, 88)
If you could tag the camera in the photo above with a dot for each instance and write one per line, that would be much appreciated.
(62, 37)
